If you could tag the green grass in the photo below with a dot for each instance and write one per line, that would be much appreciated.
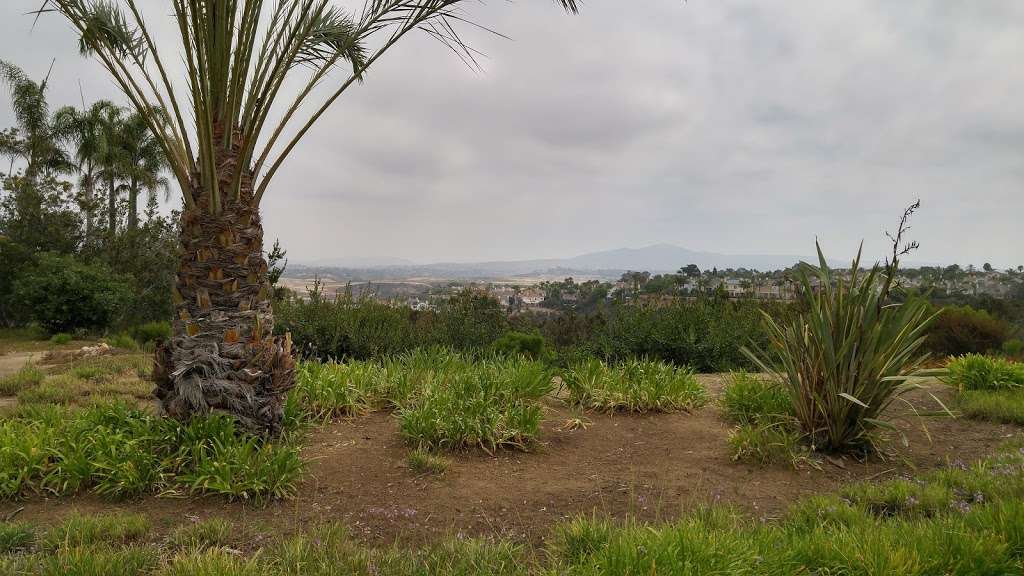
(633, 386)
(25, 378)
(79, 530)
(61, 389)
(423, 462)
(15, 537)
(977, 372)
(209, 533)
(772, 443)
(750, 399)
(116, 450)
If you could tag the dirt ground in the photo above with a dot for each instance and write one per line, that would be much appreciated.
(646, 466)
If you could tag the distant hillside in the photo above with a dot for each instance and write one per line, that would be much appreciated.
(608, 263)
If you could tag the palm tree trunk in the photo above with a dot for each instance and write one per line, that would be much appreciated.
(223, 356)
(133, 206)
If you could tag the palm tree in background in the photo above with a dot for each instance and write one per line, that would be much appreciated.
(142, 164)
(84, 129)
(237, 56)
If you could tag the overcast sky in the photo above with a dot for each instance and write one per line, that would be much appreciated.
(727, 126)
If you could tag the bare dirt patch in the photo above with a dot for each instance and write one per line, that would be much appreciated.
(651, 466)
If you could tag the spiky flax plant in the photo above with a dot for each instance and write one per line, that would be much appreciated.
(227, 124)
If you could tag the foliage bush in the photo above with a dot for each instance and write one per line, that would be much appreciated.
(1014, 349)
(150, 332)
(61, 338)
(123, 341)
(962, 330)
(518, 343)
(63, 294)
(977, 372)
(633, 386)
(846, 357)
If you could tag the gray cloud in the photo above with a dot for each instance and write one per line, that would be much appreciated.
(736, 126)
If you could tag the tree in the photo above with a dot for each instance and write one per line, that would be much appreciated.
(238, 55)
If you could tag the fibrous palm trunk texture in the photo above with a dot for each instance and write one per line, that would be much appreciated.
(223, 356)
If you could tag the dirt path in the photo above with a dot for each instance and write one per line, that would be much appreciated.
(648, 466)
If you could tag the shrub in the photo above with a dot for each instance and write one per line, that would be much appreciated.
(327, 390)
(749, 399)
(63, 294)
(962, 330)
(150, 332)
(521, 344)
(633, 386)
(846, 357)
(976, 372)
(26, 377)
(61, 338)
(489, 403)
(123, 341)
(1014, 349)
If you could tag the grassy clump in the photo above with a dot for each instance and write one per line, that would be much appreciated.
(750, 399)
(773, 443)
(633, 386)
(1005, 406)
(977, 372)
(848, 355)
(489, 403)
(423, 462)
(121, 451)
(25, 378)
(15, 537)
(124, 341)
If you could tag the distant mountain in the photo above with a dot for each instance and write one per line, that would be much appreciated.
(358, 262)
(608, 263)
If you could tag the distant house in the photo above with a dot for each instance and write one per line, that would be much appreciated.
(531, 297)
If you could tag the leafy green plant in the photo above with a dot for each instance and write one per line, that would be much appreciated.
(28, 376)
(61, 338)
(63, 294)
(1014, 349)
(977, 372)
(848, 355)
(633, 386)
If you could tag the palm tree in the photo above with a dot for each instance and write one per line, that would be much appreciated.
(37, 140)
(110, 158)
(237, 55)
(85, 130)
(142, 163)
